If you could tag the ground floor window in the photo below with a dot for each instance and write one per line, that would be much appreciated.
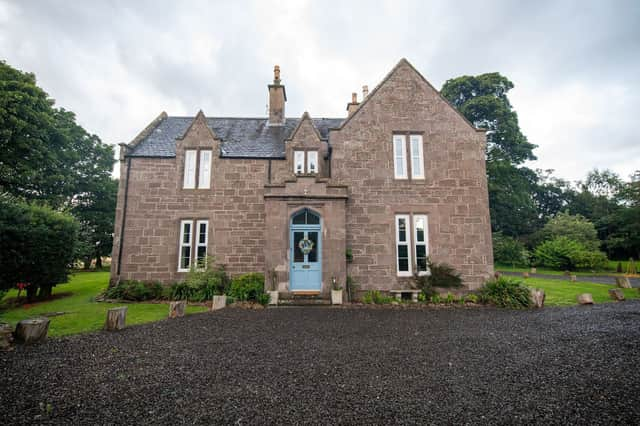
(406, 249)
(189, 236)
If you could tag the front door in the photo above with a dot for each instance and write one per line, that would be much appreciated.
(305, 243)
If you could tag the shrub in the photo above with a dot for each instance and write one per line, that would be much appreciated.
(506, 293)
(509, 251)
(562, 253)
(440, 275)
(37, 246)
(135, 291)
(436, 298)
(450, 299)
(471, 298)
(263, 299)
(247, 287)
(574, 227)
(182, 291)
(208, 282)
(375, 297)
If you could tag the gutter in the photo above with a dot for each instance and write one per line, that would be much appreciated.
(124, 216)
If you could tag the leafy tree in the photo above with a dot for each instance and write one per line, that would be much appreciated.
(47, 157)
(564, 253)
(574, 227)
(37, 246)
(483, 100)
(624, 238)
(509, 251)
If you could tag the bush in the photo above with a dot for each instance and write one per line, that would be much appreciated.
(37, 246)
(182, 291)
(135, 291)
(206, 283)
(506, 293)
(471, 298)
(509, 251)
(375, 297)
(574, 227)
(247, 287)
(562, 253)
(440, 275)
(263, 299)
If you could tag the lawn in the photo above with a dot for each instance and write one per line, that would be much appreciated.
(610, 272)
(564, 293)
(82, 312)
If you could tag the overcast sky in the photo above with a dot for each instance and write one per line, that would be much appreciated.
(118, 64)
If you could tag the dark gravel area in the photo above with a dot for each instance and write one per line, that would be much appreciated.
(598, 279)
(328, 365)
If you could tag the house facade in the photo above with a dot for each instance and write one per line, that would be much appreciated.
(400, 178)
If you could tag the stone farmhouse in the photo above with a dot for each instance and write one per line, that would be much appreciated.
(369, 195)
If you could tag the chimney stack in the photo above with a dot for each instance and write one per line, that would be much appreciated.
(351, 107)
(277, 99)
(365, 92)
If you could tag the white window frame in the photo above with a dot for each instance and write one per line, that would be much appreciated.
(199, 244)
(407, 243)
(298, 160)
(310, 155)
(425, 243)
(182, 244)
(417, 157)
(204, 178)
(402, 141)
(190, 158)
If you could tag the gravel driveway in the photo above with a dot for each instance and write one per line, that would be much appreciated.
(336, 365)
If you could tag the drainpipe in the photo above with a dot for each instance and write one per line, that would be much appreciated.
(124, 215)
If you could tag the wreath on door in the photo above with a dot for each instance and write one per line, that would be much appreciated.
(305, 245)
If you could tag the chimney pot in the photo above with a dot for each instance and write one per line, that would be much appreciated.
(365, 91)
(276, 74)
(354, 98)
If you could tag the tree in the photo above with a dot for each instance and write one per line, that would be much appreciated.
(509, 251)
(47, 157)
(574, 227)
(483, 101)
(37, 246)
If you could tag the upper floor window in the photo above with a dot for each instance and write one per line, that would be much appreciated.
(299, 162)
(416, 156)
(191, 165)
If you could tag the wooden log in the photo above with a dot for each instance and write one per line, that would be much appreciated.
(116, 318)
(534, 270)
(623, 282)
(585, 299)
(616, 294)
(32, 330)
(573, 278)
(177, 309)
(537, 297)
(219, 302)
(6, 336)
(525, 275)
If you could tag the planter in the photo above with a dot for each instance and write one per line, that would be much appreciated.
(219, 302)
(273, 297)
(336, 297)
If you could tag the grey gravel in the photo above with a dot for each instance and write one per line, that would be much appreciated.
(328, 365)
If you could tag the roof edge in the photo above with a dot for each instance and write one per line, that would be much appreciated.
(147, 130)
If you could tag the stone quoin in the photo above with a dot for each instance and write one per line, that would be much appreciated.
(401, 177)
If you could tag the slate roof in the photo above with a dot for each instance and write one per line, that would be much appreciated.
(241, 137)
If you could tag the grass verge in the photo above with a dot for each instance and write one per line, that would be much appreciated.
(565, 293)
(81, 312)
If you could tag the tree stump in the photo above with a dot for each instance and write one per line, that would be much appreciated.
(623, 282)
(177, 309)
(573, 278)
(116, 318)
(534, 270)
(537, 296)
(525, 275)
(585, 299)
(6, 336)
(32, 330)
(219, 302)
(616, 294)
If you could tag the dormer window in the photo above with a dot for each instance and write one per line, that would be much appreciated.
(310, 166)
(193, 168)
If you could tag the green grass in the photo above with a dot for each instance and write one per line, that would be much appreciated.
(565, 293)
(545, 271)
(83, 313)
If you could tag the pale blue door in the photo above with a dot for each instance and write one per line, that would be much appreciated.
(306, 247)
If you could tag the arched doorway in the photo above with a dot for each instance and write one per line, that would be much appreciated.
(305, 242)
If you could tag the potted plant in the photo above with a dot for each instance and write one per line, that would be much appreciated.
(336, 292)
(273, 287)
